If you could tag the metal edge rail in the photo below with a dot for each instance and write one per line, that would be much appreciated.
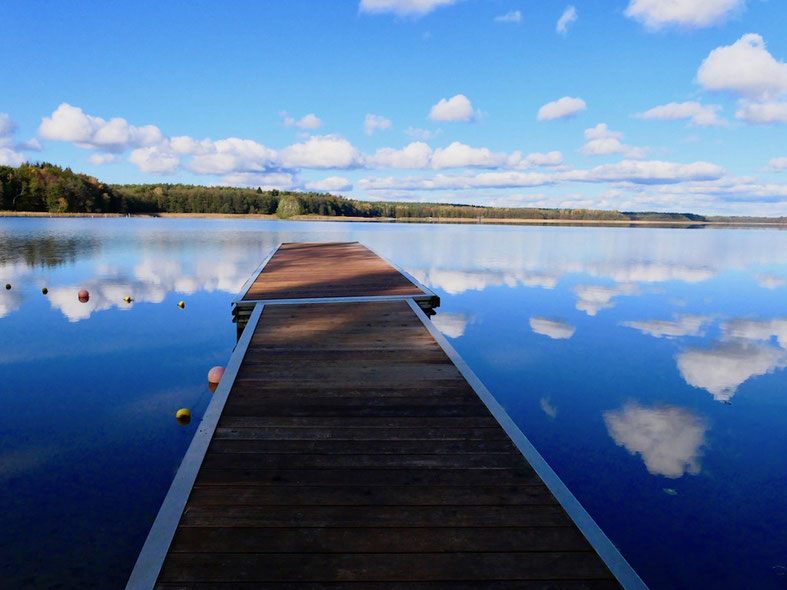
(154, 551)
(605, 549)
(411, 278)
(358, 299)
(250, 281)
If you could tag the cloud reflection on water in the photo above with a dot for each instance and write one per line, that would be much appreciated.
(682, 325)
(668, 438)
(154, 279)
(593, 298)
(555, 329)
(723, 368)
(452, 325)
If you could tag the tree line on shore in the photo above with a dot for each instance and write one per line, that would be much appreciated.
(49, 188)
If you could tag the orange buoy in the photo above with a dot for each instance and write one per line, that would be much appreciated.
(215, 374)
(84, 296)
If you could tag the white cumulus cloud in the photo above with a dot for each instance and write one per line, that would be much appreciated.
(697, 114)
(456, 108)
(310, 121)
(600, 141)
(374, 122)
(569, 16)
(69, 123)
(459, 155)
(762, 113)
(415, 155)
(226, 156)
(418, 155)
(9, 157)
(746, 69)
(414, 8)
(561, 108)
(647, 172)
(538, 160)
(101, 159)
(154, 160)
(669, 439)
(330, 184)
(457, 182)
(321, 151)
(776, 165)
(9, 154)
(264, 180)
(7, 127)
(657, 14)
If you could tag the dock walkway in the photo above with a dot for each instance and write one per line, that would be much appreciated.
(349, 446)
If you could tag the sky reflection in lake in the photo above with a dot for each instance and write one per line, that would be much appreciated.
(646, 365)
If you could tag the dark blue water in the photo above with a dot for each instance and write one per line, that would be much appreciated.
(646, 365)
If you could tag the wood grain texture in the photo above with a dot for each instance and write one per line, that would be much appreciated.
(351, 453)
(335, 269)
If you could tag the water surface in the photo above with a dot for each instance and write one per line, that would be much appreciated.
(646, 365)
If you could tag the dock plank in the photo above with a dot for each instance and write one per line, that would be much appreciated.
(358, 452)
(338, 269)
(350, 449)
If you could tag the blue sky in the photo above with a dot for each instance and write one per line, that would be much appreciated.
(674, 105)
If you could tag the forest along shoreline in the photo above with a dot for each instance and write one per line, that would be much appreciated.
(44, 189)
(440, 220)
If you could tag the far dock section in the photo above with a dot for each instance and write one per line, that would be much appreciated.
(348, 446)
(338, 271)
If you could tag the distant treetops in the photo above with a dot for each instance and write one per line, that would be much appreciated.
(49, 188)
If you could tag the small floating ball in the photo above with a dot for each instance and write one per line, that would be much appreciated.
(84, 296)
(182, 304)
(183, 416)
(8, 286)
(45, 290)
(215, 374)
(128, 299)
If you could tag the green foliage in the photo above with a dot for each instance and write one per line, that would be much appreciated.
(46, 187)
(289, 206)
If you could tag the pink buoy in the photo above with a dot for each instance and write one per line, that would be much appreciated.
(84, 296)
(215, 374)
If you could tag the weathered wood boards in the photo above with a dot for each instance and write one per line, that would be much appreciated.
(302, 272)
(349, 446)
(351, 453)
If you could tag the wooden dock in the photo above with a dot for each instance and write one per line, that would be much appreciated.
(335, 271)
(349, 446)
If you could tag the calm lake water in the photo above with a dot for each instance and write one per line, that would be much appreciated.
(646, 365)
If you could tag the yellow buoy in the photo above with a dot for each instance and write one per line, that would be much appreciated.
(8, 285)
(182, 304)
(183, 416)
(127, 299)
(45, 290)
